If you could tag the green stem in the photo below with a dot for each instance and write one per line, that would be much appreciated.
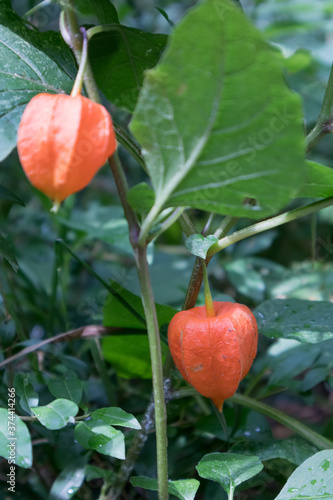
(284, 419)
(36, 8)
(129, 145)
(210, 312)
(187, 225)
(173, 217)
(194, 286)
(70, 31)
(122, 187)
(157, 370)
(227, 224)
(324, 123)
(265, 225)
(208, 224)
(148, 222)
(76, 90)
(104, 29)
(197, 274)
(35, 419)
(301, 429)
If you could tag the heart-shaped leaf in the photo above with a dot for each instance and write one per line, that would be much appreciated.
(199, 245)
(220, 126)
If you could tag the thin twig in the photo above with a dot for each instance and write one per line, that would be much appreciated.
(83, 333)
(267, 224)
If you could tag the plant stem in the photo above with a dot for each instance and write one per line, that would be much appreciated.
(324, 123)
(284, 419)
(157, 370)
(194, 285)
(187, 225)
(197, 274)
(301, 429)
(208, 224)
(227, 224)
(210, 312)
(173, 217)
(36, 8)
(265, 225)
(129, 145)
(71, 33)
(122, 187)
(151, 318)
(76, 90)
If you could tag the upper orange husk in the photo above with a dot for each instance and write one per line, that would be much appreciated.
(63, 141)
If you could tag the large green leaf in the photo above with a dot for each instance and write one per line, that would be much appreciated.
(216, 120)
(311, 480)
(228, 469)
(20, 448)
(129, 355)
(303, 320)
(319, 181)
(119, 57)
(30, 62)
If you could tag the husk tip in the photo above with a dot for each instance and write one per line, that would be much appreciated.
(219, 404)
(55, 207)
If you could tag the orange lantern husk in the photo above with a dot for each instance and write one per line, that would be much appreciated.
(214, 354)
(63, 141)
